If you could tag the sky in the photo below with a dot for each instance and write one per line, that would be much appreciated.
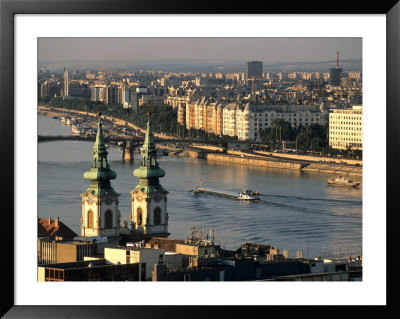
(231, 49)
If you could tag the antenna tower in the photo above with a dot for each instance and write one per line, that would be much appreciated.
(337, 59)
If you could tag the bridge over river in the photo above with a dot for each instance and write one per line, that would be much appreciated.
(127, 144)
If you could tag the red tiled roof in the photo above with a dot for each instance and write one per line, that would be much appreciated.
(54, 228)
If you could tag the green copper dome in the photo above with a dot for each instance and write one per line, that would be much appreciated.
(149, 171)
(100, 173)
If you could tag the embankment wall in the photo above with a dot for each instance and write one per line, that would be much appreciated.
(254, 161)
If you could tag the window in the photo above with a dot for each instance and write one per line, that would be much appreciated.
(157, 216)
(90, 219)
(108, 219)
(139, 216)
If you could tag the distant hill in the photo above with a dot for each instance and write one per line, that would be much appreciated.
(196, 65)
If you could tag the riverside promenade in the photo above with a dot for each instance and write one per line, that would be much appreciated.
(258, 158)
(63, 112)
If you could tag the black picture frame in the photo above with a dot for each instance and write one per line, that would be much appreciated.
(8, 10)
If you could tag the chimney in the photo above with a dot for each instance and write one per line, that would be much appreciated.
(56, 222)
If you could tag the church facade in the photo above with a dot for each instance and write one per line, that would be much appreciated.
(100, 213)
(149, 215)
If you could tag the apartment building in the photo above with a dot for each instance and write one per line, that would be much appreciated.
(246, 121)
(345, 128)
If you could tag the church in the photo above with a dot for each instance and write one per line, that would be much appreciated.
(101, 216)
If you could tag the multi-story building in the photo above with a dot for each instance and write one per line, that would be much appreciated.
(254, 69)
(182, 114)
(229, 119)
(243, 122)
(99, 92)
(135, 255)
(354, 75)
(190, 114)
(112, 95)
(345, 128)
(335, 74)
(51, 88)
(66, 83)
(213, 118)
(199, 112)
(246, 121)
(176, 101)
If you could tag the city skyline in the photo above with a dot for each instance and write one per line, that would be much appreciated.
(268, 50)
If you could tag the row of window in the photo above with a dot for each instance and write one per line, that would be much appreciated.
(341, 144)
(346, 139)
(346, 128)
(344, 133)
(346, 123)
(346, 117)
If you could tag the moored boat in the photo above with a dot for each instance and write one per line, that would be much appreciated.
(341, 181)
(76, 130)
(70, 121)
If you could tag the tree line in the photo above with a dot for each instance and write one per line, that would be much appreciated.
(313, 138)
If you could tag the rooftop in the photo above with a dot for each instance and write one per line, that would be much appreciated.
(54, 228)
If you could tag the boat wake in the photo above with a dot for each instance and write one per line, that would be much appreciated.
(355, 202)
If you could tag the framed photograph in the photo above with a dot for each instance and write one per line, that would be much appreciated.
(305, 88)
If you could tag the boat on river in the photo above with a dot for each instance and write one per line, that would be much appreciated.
(248, 195)
(341, 181)
(243, 195)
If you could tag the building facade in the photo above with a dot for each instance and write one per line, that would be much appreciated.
(247, 120)
(254, 69)
(149, 216)
(345, 128)
(135, 255)
(99, 93)
(100, 213)
(66, 83)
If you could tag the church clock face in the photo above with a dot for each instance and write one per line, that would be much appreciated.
(108, 199)
(157, 197)
(139, 197)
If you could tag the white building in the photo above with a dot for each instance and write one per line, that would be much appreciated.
(99, 92)
(229, 119)
(345, 128)
(66, 83)
(133, 255)
(246, 121)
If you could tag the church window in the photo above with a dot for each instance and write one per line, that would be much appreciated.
(139, 216)
(108, 219)
(90, 219)
(157, 216)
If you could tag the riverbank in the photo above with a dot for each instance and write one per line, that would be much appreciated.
(63, 112)
(215, 153)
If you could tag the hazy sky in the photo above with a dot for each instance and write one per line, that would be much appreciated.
(263, 49)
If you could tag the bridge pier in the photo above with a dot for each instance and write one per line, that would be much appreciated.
(127, 152)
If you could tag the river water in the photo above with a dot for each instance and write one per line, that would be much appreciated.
(297, 210)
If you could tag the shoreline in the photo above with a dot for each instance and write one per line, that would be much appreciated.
(261, 159)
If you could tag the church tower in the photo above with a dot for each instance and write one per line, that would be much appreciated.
(149, 216)
(100, 213)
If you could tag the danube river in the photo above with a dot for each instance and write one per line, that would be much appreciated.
(297, 210)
